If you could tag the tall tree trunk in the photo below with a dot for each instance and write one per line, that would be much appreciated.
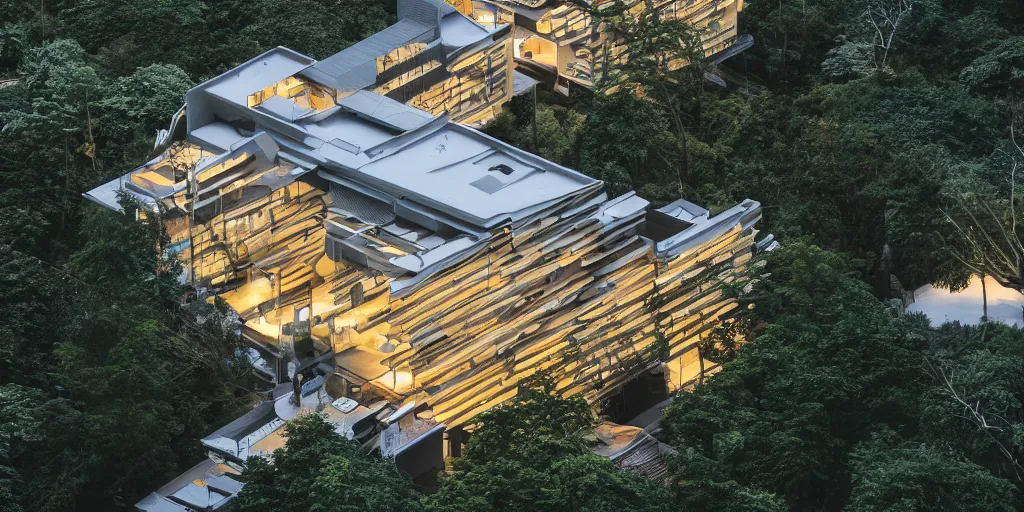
(684, 171)
(88, 117)
(984, 300)
(536, 148)
(677, 121)
(700, 358)
(785, 48)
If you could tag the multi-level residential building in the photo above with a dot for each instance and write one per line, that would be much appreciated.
(403, 273)
(561, 38)
(433, 58)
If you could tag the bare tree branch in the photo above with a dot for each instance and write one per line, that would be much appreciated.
(886, 17)
(975, 414)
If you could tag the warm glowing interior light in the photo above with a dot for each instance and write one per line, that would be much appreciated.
(249, 295)
(397, 381)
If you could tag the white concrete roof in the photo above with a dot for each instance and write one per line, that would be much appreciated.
(458, 30)
(476, 178)
(350, 129)
(216, 136)
(262, 72)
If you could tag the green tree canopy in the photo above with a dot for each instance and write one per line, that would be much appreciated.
(532, 454)
(318, 470)
(827, 364)
(922, 478)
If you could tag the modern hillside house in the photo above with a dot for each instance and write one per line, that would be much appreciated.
(400, 272)
(433, 58)
(560, 38)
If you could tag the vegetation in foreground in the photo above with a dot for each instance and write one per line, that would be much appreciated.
(840, 403)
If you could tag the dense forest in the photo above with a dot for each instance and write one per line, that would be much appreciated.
(866, 142)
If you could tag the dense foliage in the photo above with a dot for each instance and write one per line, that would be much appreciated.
(106, 379)
(534, 455)
(841, 402)
(860, 156)
(531, 454)
(319, 470)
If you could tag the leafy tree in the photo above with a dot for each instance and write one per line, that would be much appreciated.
(318, 28)
(828, 363)
(982, 236)
(998, 71)
(975, 406)
(533, 454)
(135, 107)
(701, 483)
(626, 140)
(913, 231)
(132, 34)
(20, 417)
(33, 306)
(124, 258)
(558, 131)
(792, 37)
(48, 126)
(662, 58)
(888, 476)
(854, 166)
(24, 22)
(142, 379)
(318, 470)
(850, 60)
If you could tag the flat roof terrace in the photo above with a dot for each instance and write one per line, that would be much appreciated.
(265, 70)
(473, 177)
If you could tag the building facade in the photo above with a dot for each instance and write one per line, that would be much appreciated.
(437, 264)
(561, 38)
(404, 272)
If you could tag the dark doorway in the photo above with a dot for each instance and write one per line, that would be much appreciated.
(636, 396)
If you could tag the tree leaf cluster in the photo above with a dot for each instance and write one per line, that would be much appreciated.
(319, 470)
(840, 402)
(534, 454)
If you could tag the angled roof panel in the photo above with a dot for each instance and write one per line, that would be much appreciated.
(458, 30)
(106, 194)
(385, 111)
(427, 12)
(157, 503)
(355, 67)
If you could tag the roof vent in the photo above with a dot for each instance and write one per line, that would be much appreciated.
(502, 168)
